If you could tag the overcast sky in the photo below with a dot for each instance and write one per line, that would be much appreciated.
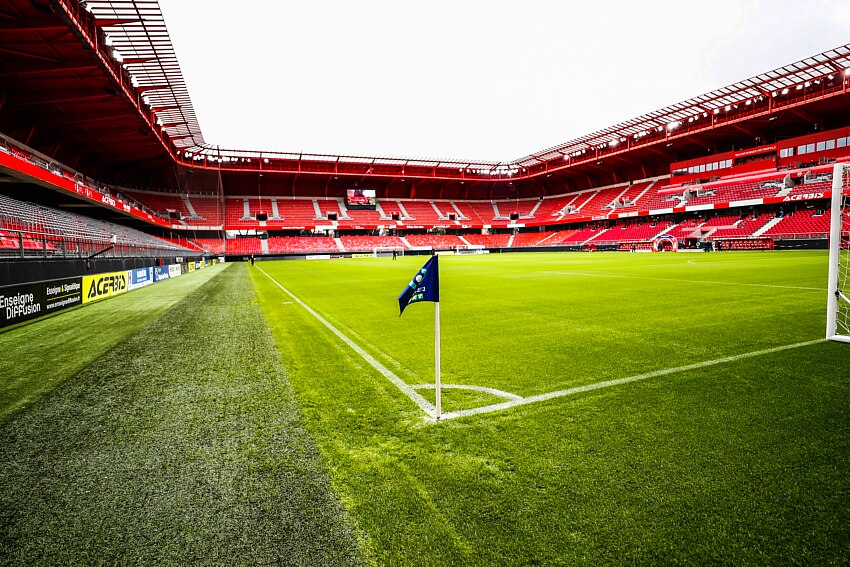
(488, 80)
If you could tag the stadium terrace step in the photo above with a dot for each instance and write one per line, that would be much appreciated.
(767, 226)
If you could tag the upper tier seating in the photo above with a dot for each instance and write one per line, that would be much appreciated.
(419, 211)
(234, 212)
(207, 208)
(590, 204)
(162, 202)
(296, 212)
(550, 208)
(522, 207)
(468, 213)
(354, 217)
(485, 211)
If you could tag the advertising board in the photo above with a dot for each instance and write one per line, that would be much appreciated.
(24, 302)
(139, 277)
(102, 286)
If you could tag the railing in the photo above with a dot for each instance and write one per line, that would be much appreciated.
(32, 245)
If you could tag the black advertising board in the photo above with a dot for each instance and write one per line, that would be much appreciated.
(19, 303)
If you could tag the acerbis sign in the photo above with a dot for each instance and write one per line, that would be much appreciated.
(803, 197)
(103, 286)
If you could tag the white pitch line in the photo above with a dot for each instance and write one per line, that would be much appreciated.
(515, 400)
(417, 398)
(619, 381)
(485, 389)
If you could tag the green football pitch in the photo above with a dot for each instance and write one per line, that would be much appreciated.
(600, 408)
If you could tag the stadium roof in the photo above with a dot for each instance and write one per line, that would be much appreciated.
(136, 32)
(766, 85)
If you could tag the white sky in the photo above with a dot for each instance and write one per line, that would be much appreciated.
(488, 80)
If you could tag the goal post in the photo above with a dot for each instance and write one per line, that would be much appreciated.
(838, 298)
(387, 252)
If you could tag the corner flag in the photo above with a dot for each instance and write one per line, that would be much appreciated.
(425, 286)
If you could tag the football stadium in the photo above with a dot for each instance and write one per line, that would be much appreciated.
(630, 347)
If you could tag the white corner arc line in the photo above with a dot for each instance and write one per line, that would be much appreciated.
(430, 409)
(618, 381)
(485, 389)
(417, 398)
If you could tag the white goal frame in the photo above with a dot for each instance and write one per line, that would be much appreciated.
(838, 298)
(387, 252)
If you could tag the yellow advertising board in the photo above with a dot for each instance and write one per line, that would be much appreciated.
(102, 286)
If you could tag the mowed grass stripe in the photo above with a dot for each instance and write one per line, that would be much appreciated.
(519, 323)
(426, 406)
(741, 463)
(38, 357)
(183, 444)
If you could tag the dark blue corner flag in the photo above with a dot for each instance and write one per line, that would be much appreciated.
(425, 286)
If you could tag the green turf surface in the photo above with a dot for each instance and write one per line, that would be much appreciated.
(39, 356)
(739, 463)
(234, 428)
(182, 443)
(535, 323)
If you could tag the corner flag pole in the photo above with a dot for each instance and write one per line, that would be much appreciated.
(425, 286)
(437, 355)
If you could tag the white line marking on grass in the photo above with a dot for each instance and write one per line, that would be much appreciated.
(598, 275)
(417, 398)
(515, 400)
(619, 381)
(494, 391)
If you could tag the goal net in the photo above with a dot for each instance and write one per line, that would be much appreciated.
(387, 252)
(838, 309)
